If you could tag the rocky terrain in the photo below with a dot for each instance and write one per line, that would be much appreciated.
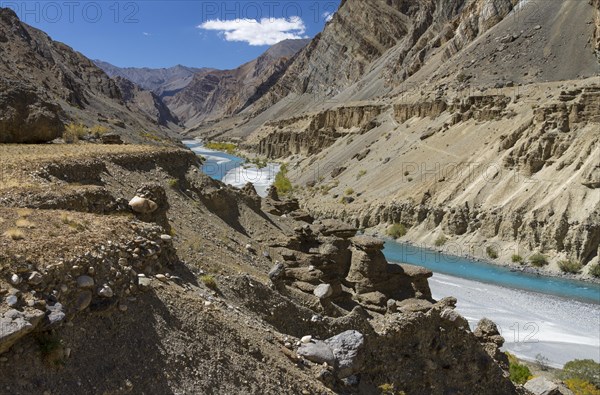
(473, 122)
(126, 270)
(45, 85)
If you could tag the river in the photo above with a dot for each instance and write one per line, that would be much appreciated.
(555, 317)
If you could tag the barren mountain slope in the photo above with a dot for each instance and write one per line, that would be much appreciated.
(220, 93)
(44, 85)
(146, 101)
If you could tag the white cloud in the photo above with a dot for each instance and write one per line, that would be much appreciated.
(267, 31)
(328, 16)
(146, 34)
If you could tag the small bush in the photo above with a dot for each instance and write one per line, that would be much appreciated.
(282, 183)
(230, 148)
(582, 387)
(48, 343)
(361, 174)
(173, 183)
(390, 389)
(542, 362)
(491, 252)
(14, 234)
(73, 132)
(349, 191)
(396, 231)
(517, 258)
(24, 212)
(209, 281)
(568, 266)
(519, 373)
(538, 260)
(440, 241)
(25, 223)
(583, 369)
(595, 270)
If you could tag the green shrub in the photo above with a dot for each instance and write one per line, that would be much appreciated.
(583, 369)
(491, 252)
(349, 191)
(519, 373)
(440, 241)
(538, 260)
(98, 131)
(517, 258)
(568, 266)
(582, 387)
(595, 270)
(173, 183)
(230, 148)
(209, 281)
(282, 182)
(396, 231)
(361, 174)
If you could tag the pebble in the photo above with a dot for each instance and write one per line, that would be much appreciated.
(85, 282)
(306, 339)
(166, 238)
(123, 307)
(35, 278)
(64, 288)
(106, 292)
(207, 303)
(15, 279)
(161, 277)
(12, 300)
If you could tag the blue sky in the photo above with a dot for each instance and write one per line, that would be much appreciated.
(155, 33)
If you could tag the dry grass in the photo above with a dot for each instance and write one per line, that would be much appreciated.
(24, 212)
(25, 223)
(14, 234)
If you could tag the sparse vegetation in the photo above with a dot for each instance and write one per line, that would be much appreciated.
(25, 223)
(569, 266)
(47, 343)
(396, 231)
(14, 234)
(361, 174)
(517, 258)
(586, 370)
(349, 191)
(519, 373)
(98, 131)
(440, 241)
(538, 260)
(173, 183)
(72, 223)
(230, 148)
(595, 270)
(390, 389)
(209, 281)
(73, 132)
(24, 212)
(150, 136)
(542, 362)
(282, 182)
(581, 387)
(491, 252)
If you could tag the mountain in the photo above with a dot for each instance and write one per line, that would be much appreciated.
(472, 121)
(146, 101)
(219, 93)
(45, 85)
(164, 82)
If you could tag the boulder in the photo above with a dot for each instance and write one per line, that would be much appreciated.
(111, 138)
(142, 205)
(15, 324)
(346, 349)
(323, 291)
(317, 352)
(542, 386)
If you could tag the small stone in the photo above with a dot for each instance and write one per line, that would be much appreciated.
(207, 303)
(15, 279)
(161, 277)
(249, 247)
(35, 278)
(106, 292)
(85, 282)
(323, 291)
(123, 262)
(12, 300)
(83, 300)
(91, 271)
(166, 238)
(64, 288)
(142, 205)
(123, 307)
(144, 282)
(537, 27)
(306, 339)
(276, 272)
